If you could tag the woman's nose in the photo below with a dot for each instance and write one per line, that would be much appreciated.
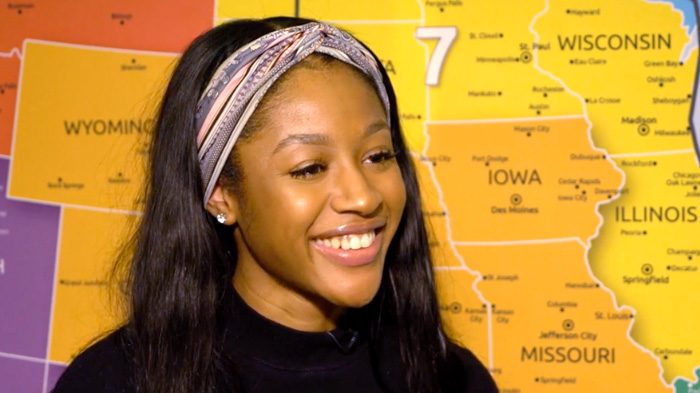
(355, 192)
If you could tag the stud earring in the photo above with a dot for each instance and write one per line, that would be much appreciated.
(221, 218)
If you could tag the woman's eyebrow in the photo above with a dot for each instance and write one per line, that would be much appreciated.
(375, 127)
(322, 139)
(307, 139)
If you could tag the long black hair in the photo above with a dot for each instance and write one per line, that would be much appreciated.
(182, 261)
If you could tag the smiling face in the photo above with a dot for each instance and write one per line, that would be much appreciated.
(319, 199)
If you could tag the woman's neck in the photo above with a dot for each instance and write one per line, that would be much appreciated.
(287, 308)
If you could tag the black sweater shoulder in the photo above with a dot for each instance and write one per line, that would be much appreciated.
(102, 368)
(467, 374)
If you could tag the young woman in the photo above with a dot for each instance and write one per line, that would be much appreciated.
(282, 247)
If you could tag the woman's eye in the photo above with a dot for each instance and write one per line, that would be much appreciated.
(307, 171)
(380, 157)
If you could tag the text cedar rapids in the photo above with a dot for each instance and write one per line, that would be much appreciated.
(103, 127)
(614, 42)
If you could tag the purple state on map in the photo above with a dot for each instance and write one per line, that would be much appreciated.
(28, 234)
(55, 372)
(21, 376)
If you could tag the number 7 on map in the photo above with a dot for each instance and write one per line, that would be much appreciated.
(445, 36)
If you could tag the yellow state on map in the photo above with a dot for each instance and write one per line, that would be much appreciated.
(363, 11)
(553, 329)
(387, 28)
(637, 91)
(360, 11)
(489, 72)
(83, 124)
(402, 57)
(236, 9)
(648, 254)
(520, 180)
(85, 301)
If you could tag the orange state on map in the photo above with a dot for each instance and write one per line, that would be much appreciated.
(464, 315)
(86, 300)
(515, 180)
(9, 69)
(435, 217)
(132, 24)
(82, 134)
(553, 328)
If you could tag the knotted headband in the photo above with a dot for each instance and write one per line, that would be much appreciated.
(240, 83)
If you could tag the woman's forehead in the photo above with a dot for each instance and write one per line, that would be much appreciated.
(316, 99)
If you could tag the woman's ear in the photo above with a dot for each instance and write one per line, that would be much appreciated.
(223, 205)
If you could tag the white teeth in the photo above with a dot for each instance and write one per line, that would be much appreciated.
(349, 242)
(365, 241)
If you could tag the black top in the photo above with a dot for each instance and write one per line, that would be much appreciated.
(270, 357)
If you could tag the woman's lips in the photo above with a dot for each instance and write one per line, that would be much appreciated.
(350, 257)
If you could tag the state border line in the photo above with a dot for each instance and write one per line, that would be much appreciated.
(27, 41)
(678, 152)
(441, 201)
(97, 48)
(59, 231)
(504, 119)
(72, 205)
(449, 268)
(13, 52)
(694, 105)
(215, 13)
(616, 305)
(695, 134)
(31, 359)
(523, 242)
(588, 243)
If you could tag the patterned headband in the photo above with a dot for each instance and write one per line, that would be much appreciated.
(240, 83)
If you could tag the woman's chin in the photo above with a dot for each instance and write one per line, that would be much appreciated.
(354, 296)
